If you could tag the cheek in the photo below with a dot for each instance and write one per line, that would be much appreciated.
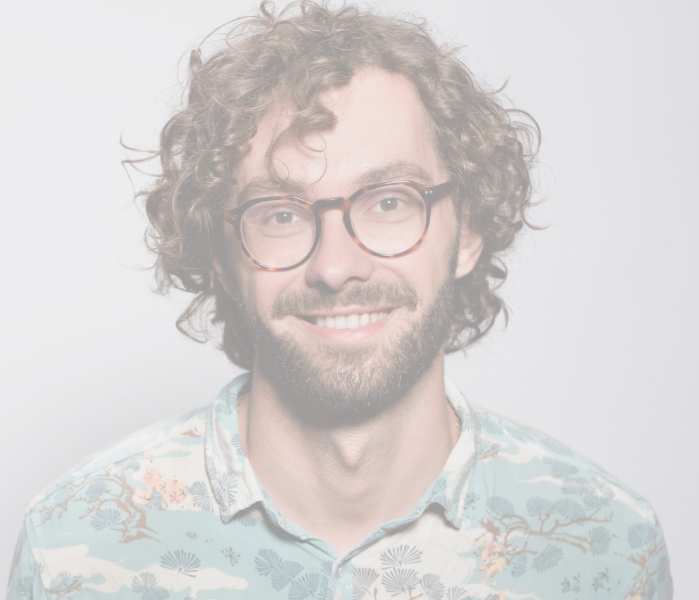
(437, 250)
(261, 288)
(425, 271)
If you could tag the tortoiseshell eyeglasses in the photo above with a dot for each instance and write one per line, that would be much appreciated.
(279, 233)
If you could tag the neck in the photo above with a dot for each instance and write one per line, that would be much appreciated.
(344, 481)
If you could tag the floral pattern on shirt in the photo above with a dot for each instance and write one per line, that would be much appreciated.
(176, 511)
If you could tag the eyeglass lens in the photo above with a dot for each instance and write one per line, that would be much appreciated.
(387, 220)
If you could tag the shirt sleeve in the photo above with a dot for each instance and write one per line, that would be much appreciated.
(25, 575)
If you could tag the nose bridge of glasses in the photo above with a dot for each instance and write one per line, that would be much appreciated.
(325, 203)
(339, 202)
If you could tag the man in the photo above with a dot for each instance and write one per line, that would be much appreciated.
(341, 189)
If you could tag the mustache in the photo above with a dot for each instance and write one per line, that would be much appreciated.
(367, 294)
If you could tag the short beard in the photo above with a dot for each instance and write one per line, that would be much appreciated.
(349, 385)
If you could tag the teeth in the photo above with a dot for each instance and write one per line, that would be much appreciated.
(350, 321)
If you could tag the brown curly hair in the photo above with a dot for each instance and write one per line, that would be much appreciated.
(292, 57)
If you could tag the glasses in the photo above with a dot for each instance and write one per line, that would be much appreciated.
(279, 233)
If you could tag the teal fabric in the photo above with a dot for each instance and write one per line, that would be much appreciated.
(176, 511)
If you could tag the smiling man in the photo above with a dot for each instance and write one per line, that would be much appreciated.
(349, 300)
(340, 188)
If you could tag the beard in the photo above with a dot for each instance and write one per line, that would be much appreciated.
(330, 384)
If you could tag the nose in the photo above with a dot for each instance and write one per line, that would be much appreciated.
(337, 260)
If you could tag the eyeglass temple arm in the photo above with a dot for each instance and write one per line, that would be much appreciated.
(436, 192)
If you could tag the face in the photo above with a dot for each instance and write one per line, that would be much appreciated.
(347, 333)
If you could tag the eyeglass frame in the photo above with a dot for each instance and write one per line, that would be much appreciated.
(428, 193)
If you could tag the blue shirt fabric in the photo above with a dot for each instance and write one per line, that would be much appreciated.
(176, 511)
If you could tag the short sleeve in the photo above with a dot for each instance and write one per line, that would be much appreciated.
(25, 576)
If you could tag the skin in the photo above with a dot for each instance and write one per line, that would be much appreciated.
(347, 479)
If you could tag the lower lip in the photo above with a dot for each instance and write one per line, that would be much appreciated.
(346, 335)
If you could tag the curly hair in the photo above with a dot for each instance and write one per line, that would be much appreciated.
(291, 57)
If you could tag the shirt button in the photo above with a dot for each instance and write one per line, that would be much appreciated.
(340, 571)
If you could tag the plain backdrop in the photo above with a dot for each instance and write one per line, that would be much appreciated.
(601, 350)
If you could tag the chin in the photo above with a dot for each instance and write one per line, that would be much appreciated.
(335, 384)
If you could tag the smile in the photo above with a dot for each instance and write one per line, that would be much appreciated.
(351, 321)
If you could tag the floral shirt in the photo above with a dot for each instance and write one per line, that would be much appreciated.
(176, 511)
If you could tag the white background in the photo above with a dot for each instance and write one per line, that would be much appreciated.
(601, 351)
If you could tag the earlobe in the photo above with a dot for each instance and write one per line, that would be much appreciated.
(470, 248)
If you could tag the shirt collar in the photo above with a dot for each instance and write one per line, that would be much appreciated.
(236, 487)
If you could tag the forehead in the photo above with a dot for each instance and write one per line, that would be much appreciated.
(382, 127)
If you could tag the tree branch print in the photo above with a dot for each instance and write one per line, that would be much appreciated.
(132, 521)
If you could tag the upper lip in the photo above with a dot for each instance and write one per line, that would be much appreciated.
(348, 311)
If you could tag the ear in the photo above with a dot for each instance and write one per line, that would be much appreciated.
(470, 248)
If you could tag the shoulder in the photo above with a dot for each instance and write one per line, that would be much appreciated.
(132, 491)
(175, 437)
(160, 468)
(120, 494)
(550, 510)
(519, 455)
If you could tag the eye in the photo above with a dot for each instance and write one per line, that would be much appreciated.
(283, 217)
(388, 204)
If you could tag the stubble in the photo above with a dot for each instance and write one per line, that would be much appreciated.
(331, 384)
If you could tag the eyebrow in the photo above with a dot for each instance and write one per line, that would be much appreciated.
(397, 171)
